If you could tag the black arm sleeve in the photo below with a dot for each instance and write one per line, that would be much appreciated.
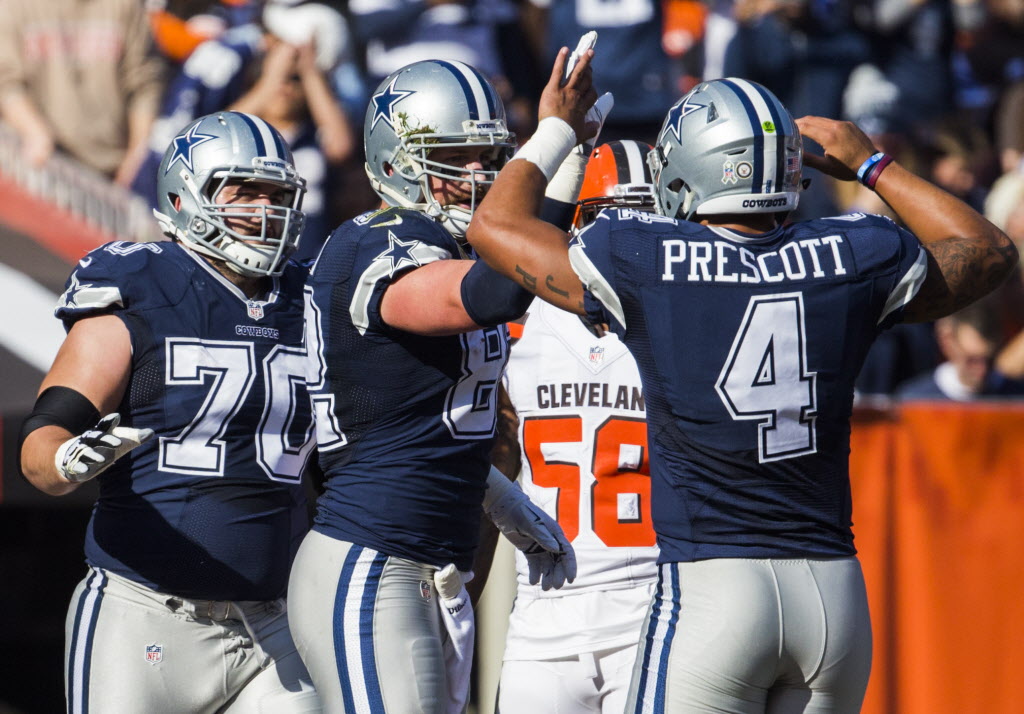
(490, 298)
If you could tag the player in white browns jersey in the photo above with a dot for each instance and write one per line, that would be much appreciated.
(583, 437)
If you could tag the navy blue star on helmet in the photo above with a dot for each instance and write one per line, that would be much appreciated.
(399, 253)
(384, 103)
(184, 144)
(674, 123)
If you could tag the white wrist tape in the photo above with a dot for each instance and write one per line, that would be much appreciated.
(565, 185)
(548, 146)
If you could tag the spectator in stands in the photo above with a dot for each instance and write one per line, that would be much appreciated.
(484, 34)
(179, 26)
(911, 45)
(400, 32)
(969, 340)
(292, 94)
(278, 66)
(81, 78)
(630, 61)
(959, 157)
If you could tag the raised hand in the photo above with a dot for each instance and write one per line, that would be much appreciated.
(570, 101)
(846, 146)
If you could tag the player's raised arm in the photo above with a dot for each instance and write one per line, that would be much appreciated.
(967, 255)
(506, 230)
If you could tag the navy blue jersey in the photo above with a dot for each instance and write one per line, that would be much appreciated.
(212, 506)
(748, 347)
(404, 422)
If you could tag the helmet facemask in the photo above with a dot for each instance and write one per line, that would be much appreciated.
(426, 107)
(241, 150)
(414, 165)
(251, 253)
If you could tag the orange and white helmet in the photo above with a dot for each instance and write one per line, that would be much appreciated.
(617, 174)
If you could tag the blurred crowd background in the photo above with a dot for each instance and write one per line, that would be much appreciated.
(938, 83)
(92, 91)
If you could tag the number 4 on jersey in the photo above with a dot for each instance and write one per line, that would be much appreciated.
(765, 377)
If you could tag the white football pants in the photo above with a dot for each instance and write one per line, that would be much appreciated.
(368, 627)
(130, 649)
(750, 636)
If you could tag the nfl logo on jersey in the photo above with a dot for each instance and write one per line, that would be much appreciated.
(596, 354)
(154, 653)
(255, 310)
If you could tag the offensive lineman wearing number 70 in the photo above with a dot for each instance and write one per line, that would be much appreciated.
(195, 346)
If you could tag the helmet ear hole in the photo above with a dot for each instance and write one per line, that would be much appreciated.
(677, 185)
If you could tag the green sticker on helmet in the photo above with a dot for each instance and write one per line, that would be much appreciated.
(768, 127)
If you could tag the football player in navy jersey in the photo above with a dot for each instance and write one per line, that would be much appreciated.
(407, 347)
(193, 349)
(748, 333)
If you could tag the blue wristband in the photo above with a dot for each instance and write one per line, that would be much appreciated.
(868, 163)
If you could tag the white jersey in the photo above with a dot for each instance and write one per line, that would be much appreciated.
(584, 448)
(583, 436)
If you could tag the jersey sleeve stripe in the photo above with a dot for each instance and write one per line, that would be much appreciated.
(596, 283)
(907, 287)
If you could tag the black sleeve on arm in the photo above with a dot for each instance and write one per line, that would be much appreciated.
(63, 407)
(490, 298)
(557, 213)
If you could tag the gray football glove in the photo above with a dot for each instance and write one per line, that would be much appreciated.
(87, 455)
(549, 556)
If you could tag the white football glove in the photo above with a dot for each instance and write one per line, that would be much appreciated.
(565, 185)
(549, 556)
(87, 455)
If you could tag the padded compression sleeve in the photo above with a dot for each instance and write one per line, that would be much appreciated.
(558, 213)
(63, 407)
(490, 298)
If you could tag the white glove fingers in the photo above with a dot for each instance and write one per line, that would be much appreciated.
(134, 437)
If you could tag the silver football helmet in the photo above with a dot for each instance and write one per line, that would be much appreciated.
(728, 146)
(201, 160)
(426, 106)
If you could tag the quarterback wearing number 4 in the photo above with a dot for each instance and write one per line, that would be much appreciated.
(748, 334)
(192, 348)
